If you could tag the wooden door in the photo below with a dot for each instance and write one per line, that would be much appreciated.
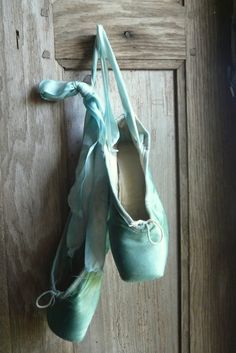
(173, 57)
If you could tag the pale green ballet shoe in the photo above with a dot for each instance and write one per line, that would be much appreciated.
(77, 270)
(76, 295)
(138, 227)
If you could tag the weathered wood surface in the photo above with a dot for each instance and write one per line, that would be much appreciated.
(212, 176)
(33, 176)
(138, 30)
(137, 318)
(183, 204)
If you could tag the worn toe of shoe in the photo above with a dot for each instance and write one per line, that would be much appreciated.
(136, 258)
(69, 317)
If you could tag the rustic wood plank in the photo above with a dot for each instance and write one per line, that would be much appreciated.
(212, 175)
(33, 177)
(68, 64)
(5, 336)
(141, 30)
(183, 199)
(141, 317)
(5, 333)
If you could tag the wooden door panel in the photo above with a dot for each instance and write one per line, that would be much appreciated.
(142, 317)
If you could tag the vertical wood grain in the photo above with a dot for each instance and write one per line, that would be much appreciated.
(5, 335)
(212, 176)
(33, 175)
(142, 317)
(183, 203)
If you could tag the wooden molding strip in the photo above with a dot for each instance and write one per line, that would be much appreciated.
(125, 64)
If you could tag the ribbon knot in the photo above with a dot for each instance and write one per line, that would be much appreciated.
(84, 89)
(52, 90)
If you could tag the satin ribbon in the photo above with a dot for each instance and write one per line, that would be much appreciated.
(78, 199)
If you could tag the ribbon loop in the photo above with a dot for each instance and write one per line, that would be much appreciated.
(51, 300)
(140, 223)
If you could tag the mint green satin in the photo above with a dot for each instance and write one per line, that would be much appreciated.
(104, 53)
(139, 257)
(137, 251)
(72, 311)
(70, 317)
(85, 235)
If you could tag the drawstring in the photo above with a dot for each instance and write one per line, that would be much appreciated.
(51, 301)
(140, 223)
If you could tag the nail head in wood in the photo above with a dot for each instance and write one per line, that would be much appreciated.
(44, 12)
(87, 79)
(46, 54)
(127, 34)
(193, 51)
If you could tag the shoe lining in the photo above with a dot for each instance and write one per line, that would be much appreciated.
(131, 181)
